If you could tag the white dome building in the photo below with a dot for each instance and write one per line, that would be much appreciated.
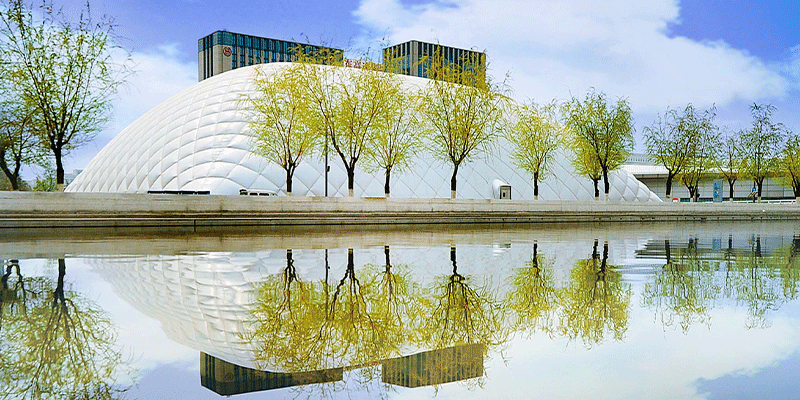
(198, 140)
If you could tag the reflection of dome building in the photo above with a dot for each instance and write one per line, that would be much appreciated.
(197, 141)
(206, 301)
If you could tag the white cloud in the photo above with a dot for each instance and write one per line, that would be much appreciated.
(158, 75)
(558, 48)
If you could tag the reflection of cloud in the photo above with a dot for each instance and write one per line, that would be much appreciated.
(200, 300)
(651, 364)
(554, 48)
(203, 301)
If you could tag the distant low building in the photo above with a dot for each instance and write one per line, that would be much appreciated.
(70, 176)
(655, 177)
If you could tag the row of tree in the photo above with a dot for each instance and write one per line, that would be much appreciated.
(57, 80)
(692, 148)
(369, 114)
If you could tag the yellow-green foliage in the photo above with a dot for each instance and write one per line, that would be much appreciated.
(536, 135)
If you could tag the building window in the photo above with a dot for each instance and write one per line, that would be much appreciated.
(233, 64)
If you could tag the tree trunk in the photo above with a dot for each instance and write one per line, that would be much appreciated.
(669, 186)
(351, 177)
(58, 293)
(453, 259)
(760, 185)
(796, 188)
(59, 170)
(536, 185)
(596, 189)
(386, 184)
(730, 185)
(289, 175)
(13, 177)
(606, 185)
(453, 181)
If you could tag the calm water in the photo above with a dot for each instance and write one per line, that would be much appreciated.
(688, 311)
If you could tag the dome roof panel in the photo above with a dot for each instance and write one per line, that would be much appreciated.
(199, 138)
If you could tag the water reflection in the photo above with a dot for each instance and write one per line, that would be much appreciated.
(370, 315)
(228, 379)
(596, 301)
(694, 279)
(426, 368)
(55, 343)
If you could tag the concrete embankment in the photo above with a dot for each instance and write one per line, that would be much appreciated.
(46, 210)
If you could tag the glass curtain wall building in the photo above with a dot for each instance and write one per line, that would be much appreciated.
(223, 51)
(415, 58)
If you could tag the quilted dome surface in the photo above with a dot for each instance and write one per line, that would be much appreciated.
(198, 140)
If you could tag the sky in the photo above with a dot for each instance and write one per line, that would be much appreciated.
(726, 54)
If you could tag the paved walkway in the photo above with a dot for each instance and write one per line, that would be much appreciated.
(46, 210)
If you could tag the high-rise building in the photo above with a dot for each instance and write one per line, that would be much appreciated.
(415, 58)
(223, 51)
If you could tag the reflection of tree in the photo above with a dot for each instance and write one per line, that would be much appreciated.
(684, 289)
(290, 314)
(753, 281)
(534, 299)
(463, 314)
(595, 301)
(790, 270)
(687, 286)
(394, 301)
(56, 344)
(357, 321)
(356, 334)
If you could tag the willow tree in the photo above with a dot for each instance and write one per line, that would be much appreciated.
(19, 140)
(703, 139)
(762, 145)
(604, 132)
(586, 164)
(319, 85)
(730, 162)
(282, 128)
(464, 117)
(666, 147)
(790, 165)
(367, 95)
(65, 69)
(396, 134)
(536, 136)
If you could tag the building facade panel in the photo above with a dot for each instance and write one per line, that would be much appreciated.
(209, 150)
(224, 51)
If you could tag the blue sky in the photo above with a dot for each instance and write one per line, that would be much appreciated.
(657, 53)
